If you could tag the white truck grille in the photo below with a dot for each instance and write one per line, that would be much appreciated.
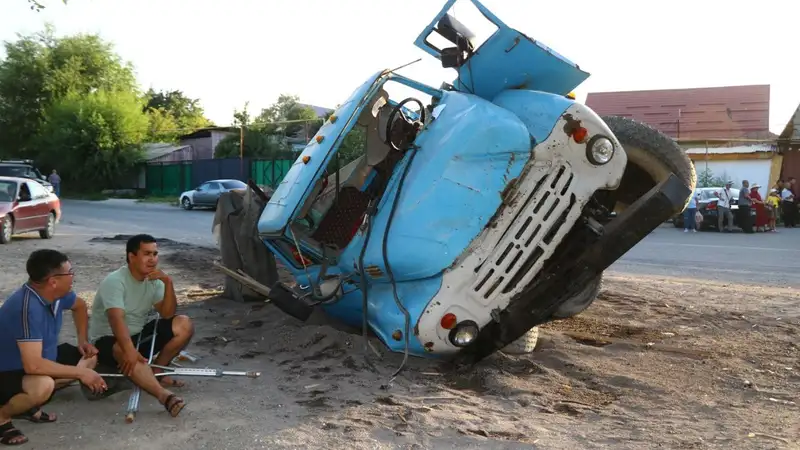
(515, 257)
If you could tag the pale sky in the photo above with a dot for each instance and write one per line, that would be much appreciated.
(232, 51)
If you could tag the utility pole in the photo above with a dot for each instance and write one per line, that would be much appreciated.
(241, 151)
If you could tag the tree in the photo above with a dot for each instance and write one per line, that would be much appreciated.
(184, 114)
(287, 108)
(354, 144)
(257, 144)
(41, 69)
(103, 132)
(162, 126)
(706, 178)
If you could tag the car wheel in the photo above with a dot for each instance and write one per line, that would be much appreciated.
(6, 229)
(50, 231)
(186, 203)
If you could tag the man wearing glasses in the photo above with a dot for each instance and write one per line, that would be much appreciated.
(32, 364)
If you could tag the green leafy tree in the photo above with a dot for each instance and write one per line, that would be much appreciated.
(288, 108)
(185, 113)
(257, 144)
(162, 126)
(354, 144)
(40, 70)
(102, 132)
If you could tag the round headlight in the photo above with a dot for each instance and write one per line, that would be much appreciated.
(599, 150)
(464, 333)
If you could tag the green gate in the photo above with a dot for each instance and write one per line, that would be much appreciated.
(269, 172)
(168, 179)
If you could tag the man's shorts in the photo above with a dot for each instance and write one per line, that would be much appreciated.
(105, 344)
(11, 381)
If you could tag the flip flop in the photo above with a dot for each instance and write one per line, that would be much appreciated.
(44, 417)
(174, 405)
(8, 432)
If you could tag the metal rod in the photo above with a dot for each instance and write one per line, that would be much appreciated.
(133, 400)
(192, 372)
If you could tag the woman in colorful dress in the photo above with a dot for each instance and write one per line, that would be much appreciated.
(762, 216)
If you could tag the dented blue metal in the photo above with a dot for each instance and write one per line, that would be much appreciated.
(485, 130)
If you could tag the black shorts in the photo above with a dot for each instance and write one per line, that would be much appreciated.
(11, 381)
(105, 344)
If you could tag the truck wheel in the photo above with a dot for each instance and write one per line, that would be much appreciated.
(581, 301)
(525, 344)
(652, 157)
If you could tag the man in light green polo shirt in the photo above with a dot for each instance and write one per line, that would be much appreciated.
(124, 300)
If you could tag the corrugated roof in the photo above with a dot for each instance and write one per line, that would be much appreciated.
(705, 113)
(154, 150)
(758, 148)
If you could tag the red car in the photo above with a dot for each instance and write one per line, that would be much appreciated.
(26, 206)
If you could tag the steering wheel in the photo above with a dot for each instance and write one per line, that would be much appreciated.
(410, 126)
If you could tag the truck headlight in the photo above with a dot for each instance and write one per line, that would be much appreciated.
(464, 333)
(599, 150)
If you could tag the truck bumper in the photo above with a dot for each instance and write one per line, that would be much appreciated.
(581, 256)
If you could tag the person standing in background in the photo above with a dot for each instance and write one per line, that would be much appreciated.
(689, 222)
(762, 216)
(745, 203)
(788, 205)
(724, 206)
(55, 180)
(773, 205)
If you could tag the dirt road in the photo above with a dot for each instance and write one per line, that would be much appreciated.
(655, 363)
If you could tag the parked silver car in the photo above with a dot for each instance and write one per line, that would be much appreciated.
(207, 194)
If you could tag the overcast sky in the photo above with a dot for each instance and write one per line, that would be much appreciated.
(232, 51)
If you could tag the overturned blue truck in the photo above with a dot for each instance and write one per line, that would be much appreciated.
(471, 212)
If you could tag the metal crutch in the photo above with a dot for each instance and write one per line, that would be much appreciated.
(133, 400)
(195, 372)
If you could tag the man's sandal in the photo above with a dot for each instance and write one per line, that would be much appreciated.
(10, 435)
(31, 416)
(174, 405)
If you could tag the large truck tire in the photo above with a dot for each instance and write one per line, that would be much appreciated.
(652, 157)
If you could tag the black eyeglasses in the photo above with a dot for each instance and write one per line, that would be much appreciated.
(71, 273)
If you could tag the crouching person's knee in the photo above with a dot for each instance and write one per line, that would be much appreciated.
(39, 387)
(182, 326)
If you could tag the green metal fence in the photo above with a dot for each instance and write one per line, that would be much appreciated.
(269, 172)
(172, 178)
(168, 179)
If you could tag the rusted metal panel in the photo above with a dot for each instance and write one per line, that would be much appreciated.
(700, 113)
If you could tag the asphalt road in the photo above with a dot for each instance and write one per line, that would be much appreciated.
(771, 258)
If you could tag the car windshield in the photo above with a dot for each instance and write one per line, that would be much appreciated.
(8, 191)
(13, 171)
(234, 184)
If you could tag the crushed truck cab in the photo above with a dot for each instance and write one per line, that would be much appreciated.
(455, 221)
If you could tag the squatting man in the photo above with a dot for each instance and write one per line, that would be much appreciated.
(33, 365)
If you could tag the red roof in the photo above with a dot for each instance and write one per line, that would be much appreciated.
(705, 113)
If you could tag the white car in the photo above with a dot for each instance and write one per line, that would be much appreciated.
(207, 194)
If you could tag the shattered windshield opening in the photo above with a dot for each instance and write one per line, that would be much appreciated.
(358, 173)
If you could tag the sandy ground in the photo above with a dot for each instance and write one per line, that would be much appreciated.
(655, 363)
